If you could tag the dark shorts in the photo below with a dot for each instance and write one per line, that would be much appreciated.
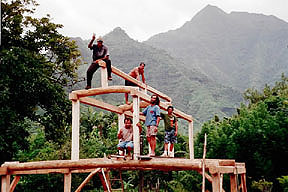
(129, 83)
(170, 136)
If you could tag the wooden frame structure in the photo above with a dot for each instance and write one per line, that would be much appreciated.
(215, 167)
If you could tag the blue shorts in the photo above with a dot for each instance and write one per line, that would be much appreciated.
(125, 144)
(170, 136)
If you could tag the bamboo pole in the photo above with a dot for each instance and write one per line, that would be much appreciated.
(203, 163)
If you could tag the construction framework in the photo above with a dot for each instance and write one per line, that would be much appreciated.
(216, 167)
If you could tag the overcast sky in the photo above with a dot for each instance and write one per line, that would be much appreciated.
(142, 19)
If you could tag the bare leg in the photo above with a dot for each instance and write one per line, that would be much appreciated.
(153, 145)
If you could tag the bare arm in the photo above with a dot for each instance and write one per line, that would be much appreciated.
(157, 121)
(119, 134)
(92, 40)
(176, 128)
(140, 127)
(143, 78)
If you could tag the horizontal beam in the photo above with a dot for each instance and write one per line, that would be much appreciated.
(39, 171)
(101, 105)
(161, 163)
(74, 95)
(162, 105)
(139, 83)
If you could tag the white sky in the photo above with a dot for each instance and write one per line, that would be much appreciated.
(142, 19)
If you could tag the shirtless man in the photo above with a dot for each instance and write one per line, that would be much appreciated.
(135, 73)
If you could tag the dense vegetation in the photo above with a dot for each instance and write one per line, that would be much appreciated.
(37, 62)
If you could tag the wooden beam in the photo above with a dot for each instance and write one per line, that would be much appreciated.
(67, 182)
(101, 105)
(216, 182)
(191, 140)
(130, 114)
(155, 163)
(5, 183)
(39, 171)
(136, 136)
(75, 129)
(233, 183)
(14, 183)
(102, 90)
(104, 80)
(140, 84)
(243, 182)
(87, 179)
(162, 105)
(3, 171)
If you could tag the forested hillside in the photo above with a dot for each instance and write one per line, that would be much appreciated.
(190, 90)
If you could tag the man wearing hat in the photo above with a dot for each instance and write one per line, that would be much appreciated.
(100, 52)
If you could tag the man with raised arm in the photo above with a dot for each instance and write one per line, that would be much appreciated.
(152, 113)
(100, 52)
(135, 73)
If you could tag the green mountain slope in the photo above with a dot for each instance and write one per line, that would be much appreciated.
(190, 90)
(241, 50)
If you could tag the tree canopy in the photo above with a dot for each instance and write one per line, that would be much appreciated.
(36, 62)
(257, 135)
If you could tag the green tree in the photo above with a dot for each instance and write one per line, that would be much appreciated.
(36, 63)
(257, 135)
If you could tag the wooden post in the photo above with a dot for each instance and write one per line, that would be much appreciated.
(104, 81)
(121, 118)
(67, 182)
(5, 183)
(233, 183)
(243, 182)
(136, 137)
(191, 142)
(75, 129)
(216, 182)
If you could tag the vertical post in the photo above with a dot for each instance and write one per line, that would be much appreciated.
(243, 182)
(121, 118)
(104, 81)
(75, 129)
(5, 183)
(67, 182)
(136, 137)
(191, 142)
(216, 182)
(233, 183)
